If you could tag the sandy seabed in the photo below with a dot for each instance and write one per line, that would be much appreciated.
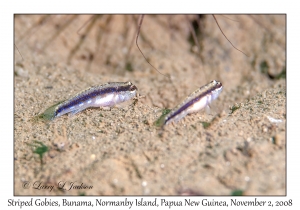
(240, 146)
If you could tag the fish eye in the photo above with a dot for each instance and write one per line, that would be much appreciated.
(132, 88)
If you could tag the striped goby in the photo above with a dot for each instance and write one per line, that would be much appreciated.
(105, 95)
(196, 101)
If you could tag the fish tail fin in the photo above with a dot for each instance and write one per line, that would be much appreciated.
(161, 121)
(48, 114)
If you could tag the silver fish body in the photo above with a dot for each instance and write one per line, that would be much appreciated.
(106, 95)
(196, 101)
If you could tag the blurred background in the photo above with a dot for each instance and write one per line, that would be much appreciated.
(106, 43)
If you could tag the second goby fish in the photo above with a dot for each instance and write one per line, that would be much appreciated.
(196, 101)
(106, 95)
